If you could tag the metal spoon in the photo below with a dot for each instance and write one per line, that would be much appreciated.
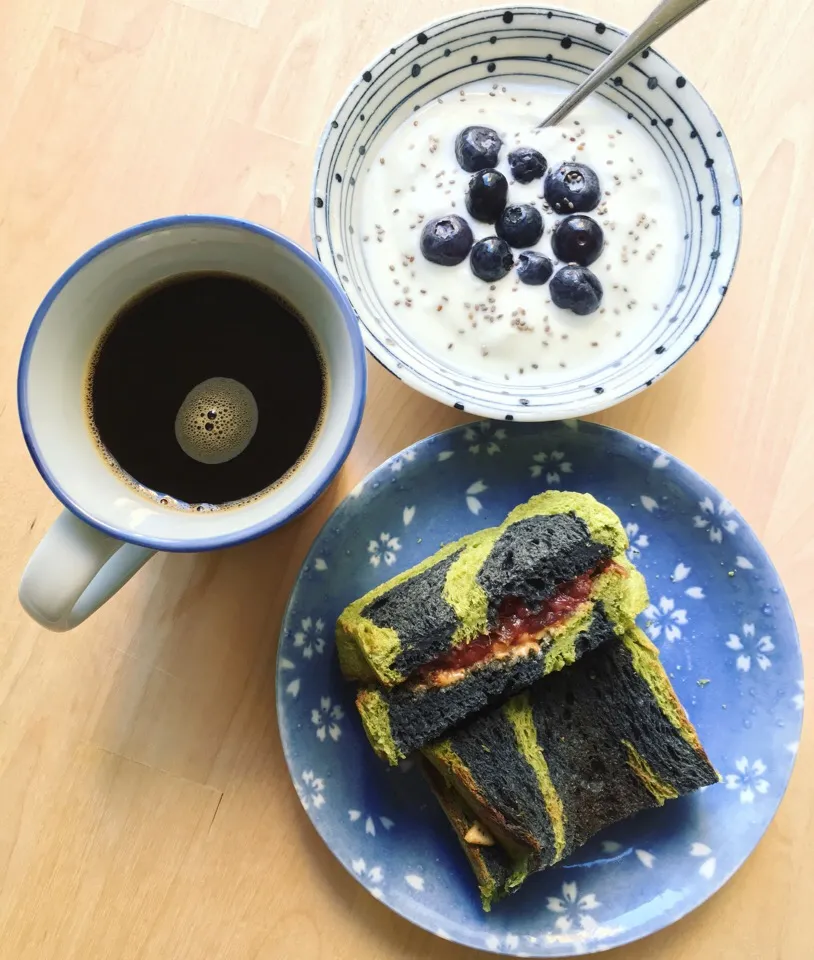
(667, 14)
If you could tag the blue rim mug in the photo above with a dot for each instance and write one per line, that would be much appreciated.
(109, 530)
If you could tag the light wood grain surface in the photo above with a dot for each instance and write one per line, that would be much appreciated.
(145, 806)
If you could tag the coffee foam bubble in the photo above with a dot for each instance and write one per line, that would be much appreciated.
(216, 421)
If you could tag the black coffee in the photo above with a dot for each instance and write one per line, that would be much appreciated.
(207, 388)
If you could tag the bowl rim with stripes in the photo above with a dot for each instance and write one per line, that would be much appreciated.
(437, 58)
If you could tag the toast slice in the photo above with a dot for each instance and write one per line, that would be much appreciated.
(580, 750)
(458, 595)
(521, 650)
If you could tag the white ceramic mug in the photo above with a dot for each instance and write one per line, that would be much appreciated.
(109, 530)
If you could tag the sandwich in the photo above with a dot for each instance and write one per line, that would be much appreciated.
(526, 784)
(485, 617)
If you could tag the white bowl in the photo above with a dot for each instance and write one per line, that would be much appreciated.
(549, 43)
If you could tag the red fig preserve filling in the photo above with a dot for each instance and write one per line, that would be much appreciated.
(517, 627)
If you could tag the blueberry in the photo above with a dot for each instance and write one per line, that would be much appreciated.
(491, 259)
(446, 240)
(534, 269)
(527, 164)
(576, 289)
(572, 188)
(520, 224)
(477, 148)
(486, 195)
(577, 239)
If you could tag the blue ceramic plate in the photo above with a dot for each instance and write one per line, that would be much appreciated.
(719, 616)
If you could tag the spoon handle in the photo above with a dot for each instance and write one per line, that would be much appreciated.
(666, 15)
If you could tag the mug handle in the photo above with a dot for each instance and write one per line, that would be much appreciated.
(74, 570)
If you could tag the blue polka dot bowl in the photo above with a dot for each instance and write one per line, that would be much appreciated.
(517, 44)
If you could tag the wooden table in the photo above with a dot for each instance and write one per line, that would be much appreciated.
(145, 806)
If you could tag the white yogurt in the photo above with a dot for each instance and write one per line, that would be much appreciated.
(509, 331)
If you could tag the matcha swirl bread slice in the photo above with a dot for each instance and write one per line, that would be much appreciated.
(491, 862)
(580, 750)
(455, 596)
(594, 609)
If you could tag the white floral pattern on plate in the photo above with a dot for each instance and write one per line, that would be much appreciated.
(385, 548)
(716, 519)
(308, 639)
(638, 541)
(680, 574)
(292, 685)
(575, 923)
(707, 868)
(749, 779)
(473, 504)
(372, 876)
(552, 464)
(665, 617)
(311, 790)
(369, 821)
(760, 647)
(325, 719)
(484, 437)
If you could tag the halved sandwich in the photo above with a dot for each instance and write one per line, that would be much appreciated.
(485, 617)
(526, 784)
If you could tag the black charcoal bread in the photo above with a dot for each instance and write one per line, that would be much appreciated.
(401, 719)
(579, 751)
(491, 863)
(454, 596)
